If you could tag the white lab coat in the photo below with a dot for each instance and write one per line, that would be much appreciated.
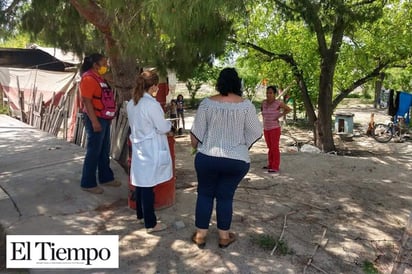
(151, 161)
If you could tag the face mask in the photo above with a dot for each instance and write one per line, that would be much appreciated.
(154, 91)
(102, 70)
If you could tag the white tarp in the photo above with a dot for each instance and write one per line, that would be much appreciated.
(43, 81)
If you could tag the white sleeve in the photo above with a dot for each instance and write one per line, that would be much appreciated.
(157, 115)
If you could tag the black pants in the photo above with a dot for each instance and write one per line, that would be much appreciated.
(145, 206)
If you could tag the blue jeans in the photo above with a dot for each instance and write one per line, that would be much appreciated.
(217, 179)
(97, 154)
(145, 206)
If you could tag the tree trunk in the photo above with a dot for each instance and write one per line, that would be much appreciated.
(295, 117)
(123, 69)
(323, 126)
(378, 87)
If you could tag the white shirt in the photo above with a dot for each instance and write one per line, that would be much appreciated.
(226, 130)
(151, 161)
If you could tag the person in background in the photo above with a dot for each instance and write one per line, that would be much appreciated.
(180, 111)
(224, 129)
(172, 109)
(151, 161)
(272, 109)
(97, 126)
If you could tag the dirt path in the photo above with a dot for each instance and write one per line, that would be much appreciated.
(361, 202)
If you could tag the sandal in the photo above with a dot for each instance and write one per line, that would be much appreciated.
(199, 241)
(223, 243)
(158, 227)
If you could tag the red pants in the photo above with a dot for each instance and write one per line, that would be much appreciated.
(272, 138)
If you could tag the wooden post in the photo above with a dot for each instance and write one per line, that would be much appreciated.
(405, 251)
(1, 97)
(21, 101)
(32, 106)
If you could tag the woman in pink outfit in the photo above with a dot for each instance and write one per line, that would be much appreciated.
(272, 110)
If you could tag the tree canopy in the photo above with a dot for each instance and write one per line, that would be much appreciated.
(329, 48)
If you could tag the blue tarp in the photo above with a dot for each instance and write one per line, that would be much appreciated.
(405, 102)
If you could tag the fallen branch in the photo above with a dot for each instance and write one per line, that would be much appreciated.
(309, 263)
(283, 230)
(318, 268)
(312, 205)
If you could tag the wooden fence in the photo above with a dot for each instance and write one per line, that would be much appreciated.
(118, 134)
(55, 118)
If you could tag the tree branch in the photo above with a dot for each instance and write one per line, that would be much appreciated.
(296, 72)
(365, 2)
(337, 36)
(311, 17)
(358, 83)
(12, 6)
(94, 14)
(273, 56)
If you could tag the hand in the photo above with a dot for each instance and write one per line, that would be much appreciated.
(97, 127)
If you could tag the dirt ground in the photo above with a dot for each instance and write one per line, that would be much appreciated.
(355, 206)
(353, 203)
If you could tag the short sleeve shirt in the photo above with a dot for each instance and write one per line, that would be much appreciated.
(226, 130)
(90, 88)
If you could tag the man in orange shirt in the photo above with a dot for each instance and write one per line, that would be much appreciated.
(92, 87)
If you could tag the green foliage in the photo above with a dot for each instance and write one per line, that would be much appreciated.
(203, 73)
(59, 24)
(172, 34)
(267, 242)
(369, 268)
(4, 110)
(16, 41)
(163, 34)
(264, 241)
(10, 12)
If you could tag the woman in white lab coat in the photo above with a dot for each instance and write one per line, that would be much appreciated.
(151, 160)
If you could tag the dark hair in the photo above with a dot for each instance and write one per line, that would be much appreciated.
(180, 95)
(89, 61)
(144, 81)
(274, 88)
(229, 82)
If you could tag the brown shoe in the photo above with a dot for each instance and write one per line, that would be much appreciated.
(113, 183)
(223, 243)
(94, 190)
(199, 241)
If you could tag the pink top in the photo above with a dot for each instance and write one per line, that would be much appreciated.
(271, 113)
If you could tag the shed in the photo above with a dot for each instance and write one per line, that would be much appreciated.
(344, 123)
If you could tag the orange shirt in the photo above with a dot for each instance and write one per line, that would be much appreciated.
(90, 88)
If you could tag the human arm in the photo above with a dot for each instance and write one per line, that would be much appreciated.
(285, 108)
(91, 114)
(162, 125)
(253, 127)
(193, 141)
(87, 89)
(199, 126)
